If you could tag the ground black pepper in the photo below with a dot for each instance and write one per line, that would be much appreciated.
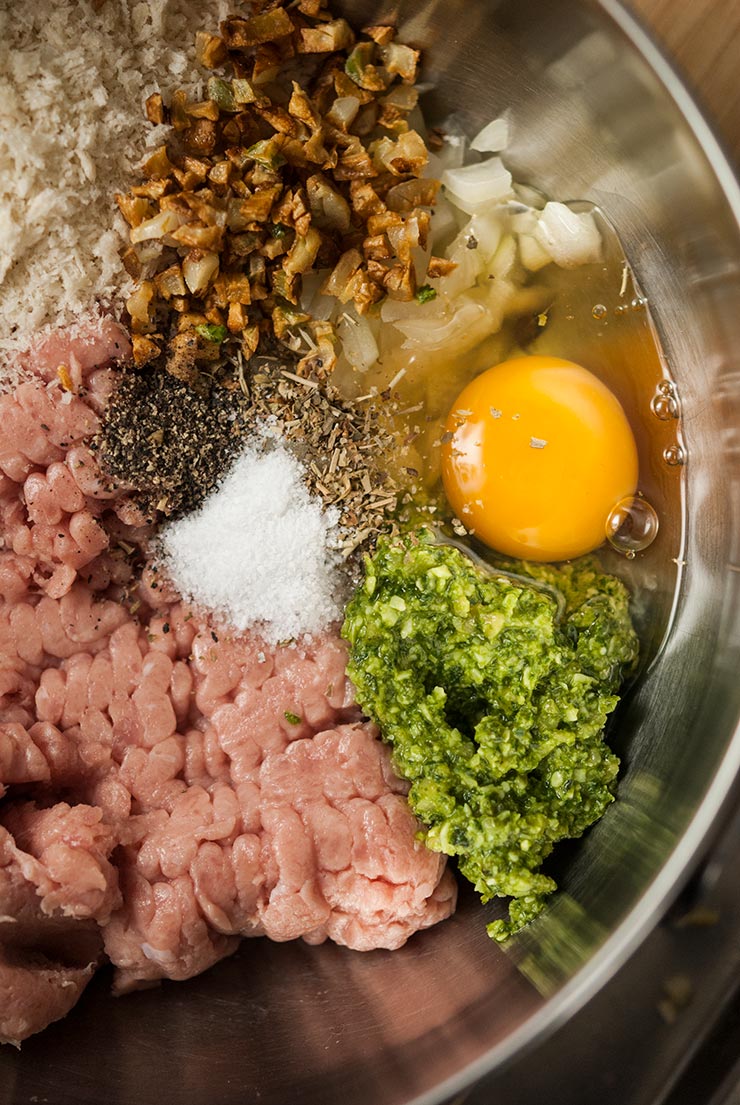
(171, 444)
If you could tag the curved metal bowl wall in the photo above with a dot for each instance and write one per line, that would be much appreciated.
(597, 116)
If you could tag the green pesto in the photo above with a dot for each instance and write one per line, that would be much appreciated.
(493, 691)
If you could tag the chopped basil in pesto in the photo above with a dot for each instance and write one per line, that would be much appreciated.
(494, 696)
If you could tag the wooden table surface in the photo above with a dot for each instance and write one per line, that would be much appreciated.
(703, 37)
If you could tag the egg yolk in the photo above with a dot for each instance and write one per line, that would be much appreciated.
(537, 453)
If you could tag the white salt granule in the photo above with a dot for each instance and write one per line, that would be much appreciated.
(258, 551)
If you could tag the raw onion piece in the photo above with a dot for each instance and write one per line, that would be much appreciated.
(391, 310)
(533, 256)
(444, 225)
(199, 269)
(358, 341)
(468, 320)
(450, 156)
(474, 185)
(569, 237)
(449, 329)
(312, 302)
(470, 264)
(524, 221)
(343, 112)
(485, 230)
(158, 226)
(504, 259)
(493, 138)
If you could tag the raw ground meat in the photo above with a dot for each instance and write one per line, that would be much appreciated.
(164, 789)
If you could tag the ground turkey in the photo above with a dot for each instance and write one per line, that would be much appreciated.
(165, 789)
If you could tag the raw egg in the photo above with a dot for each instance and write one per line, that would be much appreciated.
(536, 455)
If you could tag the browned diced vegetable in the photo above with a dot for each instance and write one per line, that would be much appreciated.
(139, 304)
(284, 285)
(377, 247)
(232, 288)
(266, 27)
(210, 50)
(159, 226)
(399, 282)
(440, 266)
(158, 165)
(220, 173)
(145, 349)
(243, 244)
(329, 210)
(300, 107)
(344, 270)
(274, 247)
(199, 268)
(268, 153)
(154, 108)
(178, 115)
(383, 221)
(266, 65)
(281, 120)
(316, 151)
(153, 189)
(320, 362)
(257, 207)
(201, 137)
(382, 35)
(256, 188)
(205, 109)
(196, 166)
(365, 200)
(410, 194)
(343, 112)
(325, 38)
(135, 209)
(345, 86)
(365, 291)
(303, 252)
(199, 237)
(170, 282)
(237, 317)
(355, 162)
(285, 316)
(221, 94)
(131, 263)
(250, 340)
(401, 60)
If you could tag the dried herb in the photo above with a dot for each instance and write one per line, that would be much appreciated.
(345, 446)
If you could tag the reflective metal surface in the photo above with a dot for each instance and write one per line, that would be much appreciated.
(596, 115)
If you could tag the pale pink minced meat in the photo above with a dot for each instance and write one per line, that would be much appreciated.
(158, 798)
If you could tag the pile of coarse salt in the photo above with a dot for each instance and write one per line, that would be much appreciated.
(258, 552)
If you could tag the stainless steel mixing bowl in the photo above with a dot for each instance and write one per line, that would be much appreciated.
(597, 115)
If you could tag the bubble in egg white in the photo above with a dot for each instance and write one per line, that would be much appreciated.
(632, 526)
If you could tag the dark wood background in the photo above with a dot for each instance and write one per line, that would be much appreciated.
(703, 38)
